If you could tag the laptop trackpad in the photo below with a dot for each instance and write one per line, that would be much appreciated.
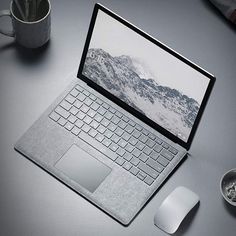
(83, 168)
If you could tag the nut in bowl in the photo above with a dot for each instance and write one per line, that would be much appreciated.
(228, 187)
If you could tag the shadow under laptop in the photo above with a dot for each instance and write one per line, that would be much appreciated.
(27, 56)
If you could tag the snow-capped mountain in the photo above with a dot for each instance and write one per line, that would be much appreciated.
(126, 78)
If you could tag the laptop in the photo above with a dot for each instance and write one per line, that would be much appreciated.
(125, 121)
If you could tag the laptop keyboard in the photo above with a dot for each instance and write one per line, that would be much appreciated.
(121, 139)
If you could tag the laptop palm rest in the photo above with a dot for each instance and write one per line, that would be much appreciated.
(83, 168)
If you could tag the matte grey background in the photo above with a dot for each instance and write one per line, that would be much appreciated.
(34, 203)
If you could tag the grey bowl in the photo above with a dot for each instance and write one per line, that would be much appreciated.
(228, 178)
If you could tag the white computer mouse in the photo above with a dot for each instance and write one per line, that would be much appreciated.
(174, 209)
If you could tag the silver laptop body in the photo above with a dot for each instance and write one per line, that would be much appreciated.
(117, 132)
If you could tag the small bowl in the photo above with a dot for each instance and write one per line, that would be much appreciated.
(228, 178)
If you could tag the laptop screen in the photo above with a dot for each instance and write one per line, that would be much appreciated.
(145, 76)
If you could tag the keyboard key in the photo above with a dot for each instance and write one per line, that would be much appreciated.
(81, 97)
(151, 136)
(69, 126)
(141, 175)
(108, 133)
(74, 92)
(118, 114)
(132, 123)
(122, 124)
(167, 154)
(111, 127)
(163, 161)
(99, 146)
(129, 129)
(85, 92)
(126, 136)
(147, 150)
(54, 116)
(136, 134)
(129, 148)
(101, 111)
(122, 143)
(135, 161)
(113, 147)
(78, 104)
(66, 105)
(84, 108)
(91, 113)
(70, 99)
(158, 140)
(87, 120)
(136, 152)
(105, 122)
(112, 110)
(79, 123)
(127, 156)
(88, 101)
(143, 138)
(85, 128)
(105, 105)
(99, 137)
(133, 141)
(106, 142)
(108, 115)
(154, 155)
(93, 132)
(148, 170)
(134, 170)
(79, 88)
(94, 106)
(150, 143)
(62, 112)
(74, 110)
(80, 115)
(92, 97)
(115, 138)
(62, 121)
(148, 180)
(98, 118)
(158, 148)
(120, 161)
(138, 127)
(127, 166)
(173, 150)
(155, 165)
(145, 132)
(120, 151)
(140, 146)
(99, 101)
(75, 130)
(165, 145)
(101, 129)
(125, 119)
(119, 131)
(72, 119)
(115, 120)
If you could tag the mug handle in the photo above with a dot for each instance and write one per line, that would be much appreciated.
(5, 32)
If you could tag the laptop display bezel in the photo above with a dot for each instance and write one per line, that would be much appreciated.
(124, 105)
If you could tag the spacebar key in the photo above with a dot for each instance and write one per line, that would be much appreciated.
(94, 143)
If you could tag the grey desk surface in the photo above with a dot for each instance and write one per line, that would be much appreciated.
(33, 202)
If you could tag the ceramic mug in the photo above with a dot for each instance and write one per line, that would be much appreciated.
(30, 34)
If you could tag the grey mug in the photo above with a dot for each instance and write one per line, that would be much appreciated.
(30, 34)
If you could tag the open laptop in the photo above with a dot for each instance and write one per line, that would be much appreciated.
(125, 121)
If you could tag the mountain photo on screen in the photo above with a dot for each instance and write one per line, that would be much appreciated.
(144, 76)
